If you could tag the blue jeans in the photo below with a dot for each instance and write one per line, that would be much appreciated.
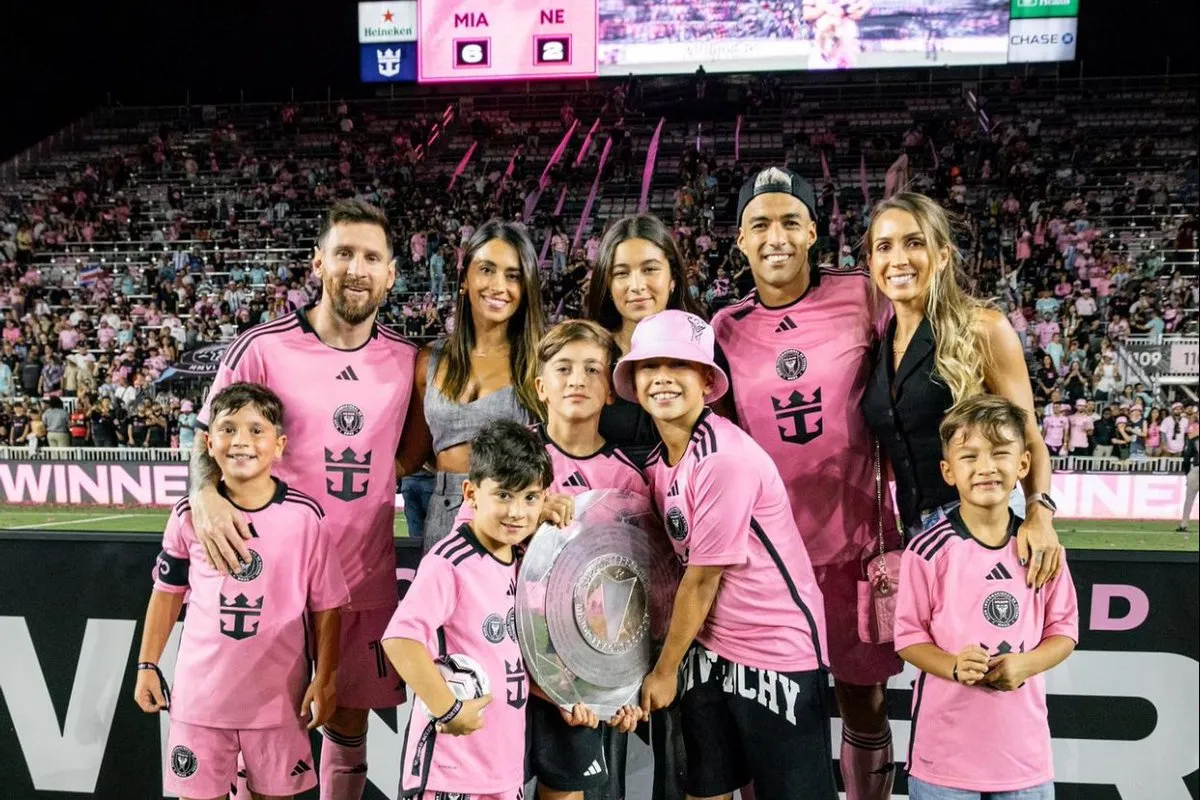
(919, 790)
(416, 491)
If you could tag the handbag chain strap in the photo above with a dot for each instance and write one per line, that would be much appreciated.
(879, 495)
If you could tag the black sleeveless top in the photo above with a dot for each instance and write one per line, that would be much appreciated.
(903, 409)
(627, 425)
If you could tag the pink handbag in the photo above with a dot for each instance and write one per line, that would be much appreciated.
(877, 591)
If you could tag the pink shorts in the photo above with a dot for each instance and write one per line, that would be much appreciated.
(850, 659)
(203, 762)
(365, 677)
(515, 794)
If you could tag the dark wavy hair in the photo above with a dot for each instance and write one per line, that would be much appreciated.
(600, 306)
(511, 455)
(524, 328)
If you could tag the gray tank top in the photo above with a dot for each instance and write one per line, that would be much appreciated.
(451, 422)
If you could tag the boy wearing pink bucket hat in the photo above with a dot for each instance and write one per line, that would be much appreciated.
(754, 684)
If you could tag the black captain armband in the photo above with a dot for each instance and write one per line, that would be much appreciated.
(171, 570)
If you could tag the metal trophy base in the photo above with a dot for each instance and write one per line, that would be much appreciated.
(594, 601)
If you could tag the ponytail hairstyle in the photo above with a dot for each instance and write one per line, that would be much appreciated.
(961, 354)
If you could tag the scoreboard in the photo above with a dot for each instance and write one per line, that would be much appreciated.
(473, 40)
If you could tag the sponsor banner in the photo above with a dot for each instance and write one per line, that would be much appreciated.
(387, 22)
(1080, 495)
(1033, 40)
(199, 363)
(393, 62)
(1029, 9)
(1122, 708)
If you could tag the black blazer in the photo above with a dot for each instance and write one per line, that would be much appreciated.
(904, 411)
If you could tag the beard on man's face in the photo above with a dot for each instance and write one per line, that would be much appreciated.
(352, 311)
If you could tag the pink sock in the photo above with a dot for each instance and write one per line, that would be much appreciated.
(867, 768)
(343, 766)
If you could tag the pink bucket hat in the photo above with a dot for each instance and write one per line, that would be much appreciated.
(670, 334)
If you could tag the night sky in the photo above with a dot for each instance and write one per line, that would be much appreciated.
(58, 60)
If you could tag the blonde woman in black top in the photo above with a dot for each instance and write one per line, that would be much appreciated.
(942, 347)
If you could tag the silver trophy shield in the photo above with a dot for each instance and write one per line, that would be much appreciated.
(594, 601)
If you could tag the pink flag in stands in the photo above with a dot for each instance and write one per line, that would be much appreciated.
(587, 207)
(462, 164)
(648, 171)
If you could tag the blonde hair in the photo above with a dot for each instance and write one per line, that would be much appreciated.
(999, 420)
(571, 331)
(961, 354)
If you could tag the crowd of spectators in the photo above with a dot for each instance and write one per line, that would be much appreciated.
(1053, 245)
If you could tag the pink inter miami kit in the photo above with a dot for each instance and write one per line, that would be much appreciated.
(246, 654)
(463, 601)
(724, 505)
(343, 414)
(797, 375)
(956, 591)
(607, 468)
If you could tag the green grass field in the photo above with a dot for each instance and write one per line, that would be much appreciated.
(1075, 534)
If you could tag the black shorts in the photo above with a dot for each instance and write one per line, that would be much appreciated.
(743, 724)
(561, 756)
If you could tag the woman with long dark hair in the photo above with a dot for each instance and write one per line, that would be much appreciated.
(639, 271)
(485, 368)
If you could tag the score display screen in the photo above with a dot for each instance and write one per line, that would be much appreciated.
(480, 40)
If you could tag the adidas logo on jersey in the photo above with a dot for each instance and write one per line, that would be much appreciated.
(674, 490)
(999, 573)
(347, 375)
(577, 480)
(594, 769)
(786, 325)
(301, 768)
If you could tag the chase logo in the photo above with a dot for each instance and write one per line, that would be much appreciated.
(390, 62)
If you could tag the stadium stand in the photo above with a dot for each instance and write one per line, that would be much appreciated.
(149, 234)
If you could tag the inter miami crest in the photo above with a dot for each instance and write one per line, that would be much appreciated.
(510, 624)
(677, 525)
(699, 326)
(1001, 609)
(348, 419)
(250, 570)
(790, 365)
(494, 628)
(183, 762)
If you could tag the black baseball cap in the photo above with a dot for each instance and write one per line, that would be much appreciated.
(774, 180)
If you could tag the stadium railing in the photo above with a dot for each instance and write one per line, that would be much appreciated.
(148, 454)
(1160, 465)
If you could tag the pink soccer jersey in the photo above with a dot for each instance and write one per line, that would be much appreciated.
(724, 505)
(956, 591)
(343, 414)
(798, 374)
(245, 657)
(607, 468)
(463, 601)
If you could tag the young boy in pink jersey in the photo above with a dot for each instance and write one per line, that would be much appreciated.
(753, 705)
(245, 657)
(979, 635)
(463, 601)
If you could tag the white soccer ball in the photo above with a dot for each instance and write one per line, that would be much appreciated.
(464, 675)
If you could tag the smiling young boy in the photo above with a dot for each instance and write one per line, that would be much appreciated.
(574, 358)
(244, 660)
(748, 622)
(463, 601)
(979, 635)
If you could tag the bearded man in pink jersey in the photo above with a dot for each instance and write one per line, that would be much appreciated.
(345, 382)
(797, 351)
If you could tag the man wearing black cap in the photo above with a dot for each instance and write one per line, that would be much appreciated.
(797, 351)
